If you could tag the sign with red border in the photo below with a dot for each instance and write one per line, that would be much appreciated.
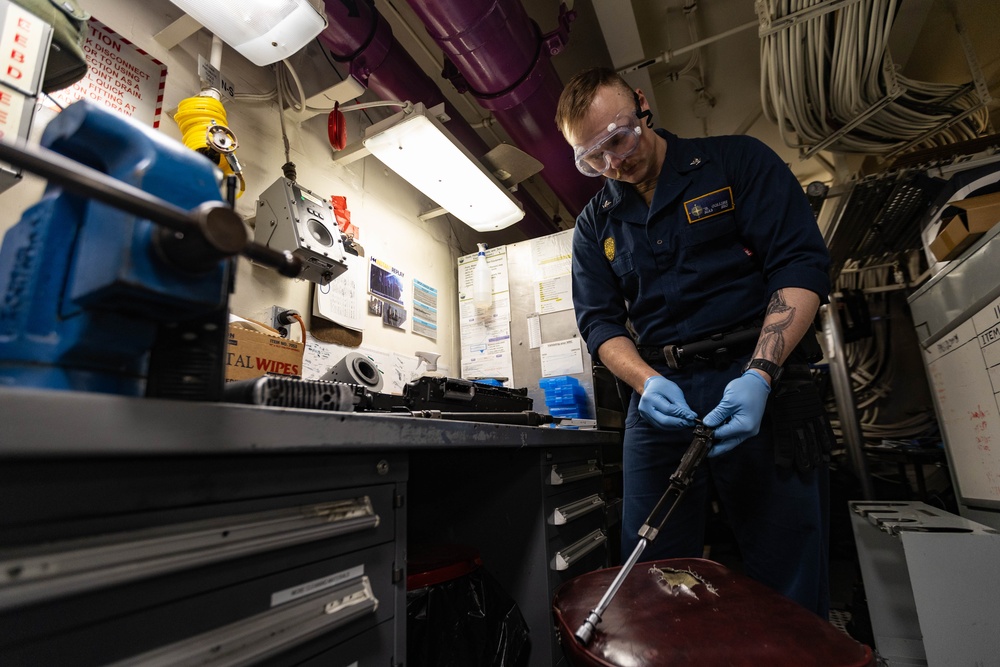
(120, 76)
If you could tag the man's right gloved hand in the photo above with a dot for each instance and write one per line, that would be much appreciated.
(662, 404)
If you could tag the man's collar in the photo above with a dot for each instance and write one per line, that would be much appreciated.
(683, 155)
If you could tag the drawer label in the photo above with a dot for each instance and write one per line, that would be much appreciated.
(281, 597)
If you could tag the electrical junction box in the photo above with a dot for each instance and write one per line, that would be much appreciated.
(292, 218)
(976, 216)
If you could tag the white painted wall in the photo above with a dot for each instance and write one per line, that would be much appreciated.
(381, 204)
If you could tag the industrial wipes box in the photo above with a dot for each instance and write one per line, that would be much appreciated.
(976, 216)
(254, 350)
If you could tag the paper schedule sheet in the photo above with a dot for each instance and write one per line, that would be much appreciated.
(563, 357)
(342, 300)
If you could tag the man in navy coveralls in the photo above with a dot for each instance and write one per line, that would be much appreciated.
(689, 238)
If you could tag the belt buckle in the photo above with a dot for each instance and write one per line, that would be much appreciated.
(672, 353)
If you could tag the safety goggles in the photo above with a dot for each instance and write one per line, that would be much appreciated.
(618, 140)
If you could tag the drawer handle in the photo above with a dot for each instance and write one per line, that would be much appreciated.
(563, 560)
(267, 633)
(53, 570)
(573, 473)
(576, 509)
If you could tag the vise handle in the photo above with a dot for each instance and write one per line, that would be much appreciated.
(219, 229)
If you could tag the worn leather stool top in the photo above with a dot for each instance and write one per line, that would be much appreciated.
(689, 611)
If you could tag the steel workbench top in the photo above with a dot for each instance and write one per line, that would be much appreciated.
(41, 422)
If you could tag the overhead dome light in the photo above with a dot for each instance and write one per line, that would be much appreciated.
(263, 31)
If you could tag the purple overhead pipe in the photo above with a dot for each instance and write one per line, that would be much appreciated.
(504, 61)
(361, 38)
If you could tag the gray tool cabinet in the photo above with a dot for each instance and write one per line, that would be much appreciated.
(142, 531)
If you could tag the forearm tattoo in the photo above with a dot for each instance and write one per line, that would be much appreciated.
(772, 341)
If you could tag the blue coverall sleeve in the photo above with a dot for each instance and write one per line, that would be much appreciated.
(599, 304)
(777, 222)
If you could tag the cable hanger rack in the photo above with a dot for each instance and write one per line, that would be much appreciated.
(893, 87)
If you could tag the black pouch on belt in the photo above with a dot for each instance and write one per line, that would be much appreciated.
(803, 438)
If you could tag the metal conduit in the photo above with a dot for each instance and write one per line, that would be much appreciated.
(361, 37)
(850, 425)
(502, 57)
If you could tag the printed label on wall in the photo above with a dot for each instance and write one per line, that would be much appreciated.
(120, 76)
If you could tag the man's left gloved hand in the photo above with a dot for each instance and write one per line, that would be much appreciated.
(743, 402)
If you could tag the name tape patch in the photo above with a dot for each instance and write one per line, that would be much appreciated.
(713, 203)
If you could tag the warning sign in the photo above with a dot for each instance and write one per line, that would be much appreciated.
(120, 76)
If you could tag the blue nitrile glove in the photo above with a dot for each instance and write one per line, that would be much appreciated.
(743, 403)
(662, 404)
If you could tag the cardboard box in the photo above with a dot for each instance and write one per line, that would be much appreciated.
(255, 350)
(976, 216)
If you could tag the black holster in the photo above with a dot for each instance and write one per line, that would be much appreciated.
(803, 437)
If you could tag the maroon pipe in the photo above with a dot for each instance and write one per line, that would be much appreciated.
(503, 59)
(360, 37)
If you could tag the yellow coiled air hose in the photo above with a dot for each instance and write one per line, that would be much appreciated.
(201, 118)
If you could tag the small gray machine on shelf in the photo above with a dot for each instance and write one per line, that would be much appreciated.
(356, 368)
(292, 218)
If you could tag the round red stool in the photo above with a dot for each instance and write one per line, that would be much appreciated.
(436, 564)
(689, 611)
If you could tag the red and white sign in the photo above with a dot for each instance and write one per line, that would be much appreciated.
(120, 76)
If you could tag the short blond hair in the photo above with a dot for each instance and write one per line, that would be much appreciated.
(579, 93)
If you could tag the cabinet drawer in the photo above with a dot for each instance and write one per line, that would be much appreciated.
(570, 509)
(570, 556)
(571, 515)
(565, 468)
(58, 499)
(559, 476)
(373, 648)
(585, 555)
(220, 600)
(33, 574)
(271, 632)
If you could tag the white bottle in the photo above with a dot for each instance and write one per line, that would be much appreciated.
(482, 282)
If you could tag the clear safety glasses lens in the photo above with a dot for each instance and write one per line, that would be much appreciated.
(620, 140)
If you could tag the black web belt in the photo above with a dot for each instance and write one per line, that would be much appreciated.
(716, 349)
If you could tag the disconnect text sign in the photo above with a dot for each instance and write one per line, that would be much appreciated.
(120, 76)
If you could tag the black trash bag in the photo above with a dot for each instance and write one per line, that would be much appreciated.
(469, 621)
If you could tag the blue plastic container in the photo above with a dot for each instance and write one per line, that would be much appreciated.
(565, 397)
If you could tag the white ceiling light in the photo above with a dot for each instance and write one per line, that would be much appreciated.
(415, 145)
(263, 31)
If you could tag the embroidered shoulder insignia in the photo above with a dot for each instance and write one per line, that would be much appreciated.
(609, 248)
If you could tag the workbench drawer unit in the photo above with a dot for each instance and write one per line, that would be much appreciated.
(575, 527)
(576, 519)
(207, 560)
(502, 503)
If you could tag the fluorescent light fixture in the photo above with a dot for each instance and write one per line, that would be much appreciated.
(415, 145)
(263, 31)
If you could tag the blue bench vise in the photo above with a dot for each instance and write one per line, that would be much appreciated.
(96, 298)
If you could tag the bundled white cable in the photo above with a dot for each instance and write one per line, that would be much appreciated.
(868, 360)
(822, 74)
